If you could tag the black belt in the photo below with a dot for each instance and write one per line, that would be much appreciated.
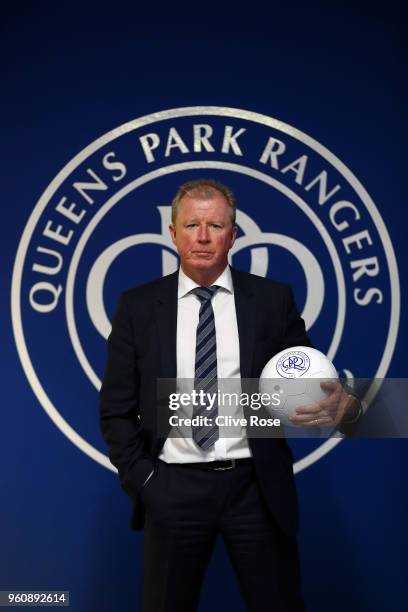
(210, 466)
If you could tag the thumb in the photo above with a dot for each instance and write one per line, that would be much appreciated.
(328, 385)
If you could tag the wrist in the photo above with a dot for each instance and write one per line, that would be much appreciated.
(354, 412)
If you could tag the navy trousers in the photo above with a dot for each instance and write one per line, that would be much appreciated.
(186, 509)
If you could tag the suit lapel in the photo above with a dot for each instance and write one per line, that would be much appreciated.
(245, 309)
(166, 319)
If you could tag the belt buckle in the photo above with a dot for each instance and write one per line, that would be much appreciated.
(229, 467)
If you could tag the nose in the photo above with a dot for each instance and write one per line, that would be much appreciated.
(203, 234)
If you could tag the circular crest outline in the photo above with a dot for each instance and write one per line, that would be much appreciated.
(132, 125)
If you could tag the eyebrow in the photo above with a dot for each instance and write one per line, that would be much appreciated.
(195, 220)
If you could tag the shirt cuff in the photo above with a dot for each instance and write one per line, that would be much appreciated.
(357, 411)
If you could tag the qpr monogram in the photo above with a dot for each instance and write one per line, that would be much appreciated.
(293, 364)
(101, 226)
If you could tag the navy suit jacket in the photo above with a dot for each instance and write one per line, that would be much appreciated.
(142, 348)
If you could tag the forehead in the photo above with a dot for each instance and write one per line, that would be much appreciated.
(216, 205)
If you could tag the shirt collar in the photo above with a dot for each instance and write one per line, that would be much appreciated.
(186, 284)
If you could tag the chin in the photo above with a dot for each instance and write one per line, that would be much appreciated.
(202, 266)
(203, 263)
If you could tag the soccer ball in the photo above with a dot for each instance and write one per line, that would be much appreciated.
(295, 374)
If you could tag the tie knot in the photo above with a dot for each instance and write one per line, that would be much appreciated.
(205, 293)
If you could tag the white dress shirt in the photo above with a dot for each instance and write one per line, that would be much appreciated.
(184, 449)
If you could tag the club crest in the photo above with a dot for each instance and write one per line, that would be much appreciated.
(101, 226)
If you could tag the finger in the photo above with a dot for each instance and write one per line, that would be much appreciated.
(332, 400)
(329, 403)
(324, 407)
(331, 386)
(309, 418)
(329, 411)
(321, 422)
(330, 414)
(311, 409)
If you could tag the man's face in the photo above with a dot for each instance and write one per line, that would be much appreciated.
(203, 234)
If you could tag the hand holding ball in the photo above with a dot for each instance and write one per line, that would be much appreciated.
(296, 374)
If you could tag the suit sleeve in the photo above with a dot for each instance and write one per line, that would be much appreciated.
(119, 406)
(294, 326)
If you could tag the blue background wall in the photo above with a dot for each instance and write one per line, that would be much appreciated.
(331, 70)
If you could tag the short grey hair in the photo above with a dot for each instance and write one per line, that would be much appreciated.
(204, 189)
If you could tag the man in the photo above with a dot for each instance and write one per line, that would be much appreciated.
(207, 321)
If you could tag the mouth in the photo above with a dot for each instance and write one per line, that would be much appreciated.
(202, 253)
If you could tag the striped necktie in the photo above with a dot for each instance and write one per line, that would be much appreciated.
(205, 377)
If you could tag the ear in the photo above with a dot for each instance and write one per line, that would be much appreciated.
(173, 233)
(234, 231)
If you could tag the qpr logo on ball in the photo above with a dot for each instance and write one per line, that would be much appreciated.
(101, 226)
(293, 364)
